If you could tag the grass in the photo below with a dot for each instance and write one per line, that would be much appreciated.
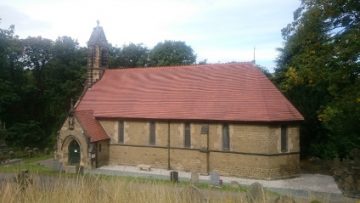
(52, 186)
(96, 189)
(90, 189)
(30, 164)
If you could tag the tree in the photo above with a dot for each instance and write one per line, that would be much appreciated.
(38, 78)
(12, 76)
(131, 56)
(318, 69)
(169, 53)
(65, 76)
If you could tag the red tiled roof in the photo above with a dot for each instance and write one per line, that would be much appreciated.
(222, 92)
(91, 126)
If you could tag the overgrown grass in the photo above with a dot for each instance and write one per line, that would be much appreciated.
(99, 189)
(90, 188)
(52, 186)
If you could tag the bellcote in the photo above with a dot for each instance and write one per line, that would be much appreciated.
(98, 37)
(98, 54)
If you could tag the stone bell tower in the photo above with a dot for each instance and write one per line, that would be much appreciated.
(97, 56)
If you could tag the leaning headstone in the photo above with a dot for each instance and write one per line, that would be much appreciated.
(256, 193)
(36, 150)
(11, 154)
(29, 153)
(192, 194)
(284, 199)
(194, 178)
(46, 150)
(214, 179)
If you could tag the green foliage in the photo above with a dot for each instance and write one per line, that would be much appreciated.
(165, 53)
(38, 78)
(169, 53)
(318, 70)
(130, 56)
(24, 134)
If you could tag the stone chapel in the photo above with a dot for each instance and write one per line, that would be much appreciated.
(227, 118)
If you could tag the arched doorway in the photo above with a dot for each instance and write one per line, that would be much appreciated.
(74, 153)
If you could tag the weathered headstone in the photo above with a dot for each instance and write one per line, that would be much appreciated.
(29, 153)
(11, 154)
(174, 176)
(214, 178)
(194, 178)
(256, 193)
(35, 150)
(46, 150)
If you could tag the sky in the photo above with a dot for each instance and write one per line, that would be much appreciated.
(219, 31)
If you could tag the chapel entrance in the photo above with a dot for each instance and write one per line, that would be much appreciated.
(74, 153)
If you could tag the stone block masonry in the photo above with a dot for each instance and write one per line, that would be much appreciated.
(254, 149)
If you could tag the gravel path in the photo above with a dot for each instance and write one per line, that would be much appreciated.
(305, 182)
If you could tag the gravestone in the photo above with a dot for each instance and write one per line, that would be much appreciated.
(194, 178)
(256, 193)
(192, 194)
(57, 166)
(214, 178)
(174, 176)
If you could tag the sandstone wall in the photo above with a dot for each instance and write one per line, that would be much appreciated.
(254, 149)
(66, 135)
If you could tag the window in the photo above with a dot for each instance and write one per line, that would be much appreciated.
(99, 147)
(152, 139)
(205, 129)
(226, 137)
(121, 132)
(284, 138)
(187, 135)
